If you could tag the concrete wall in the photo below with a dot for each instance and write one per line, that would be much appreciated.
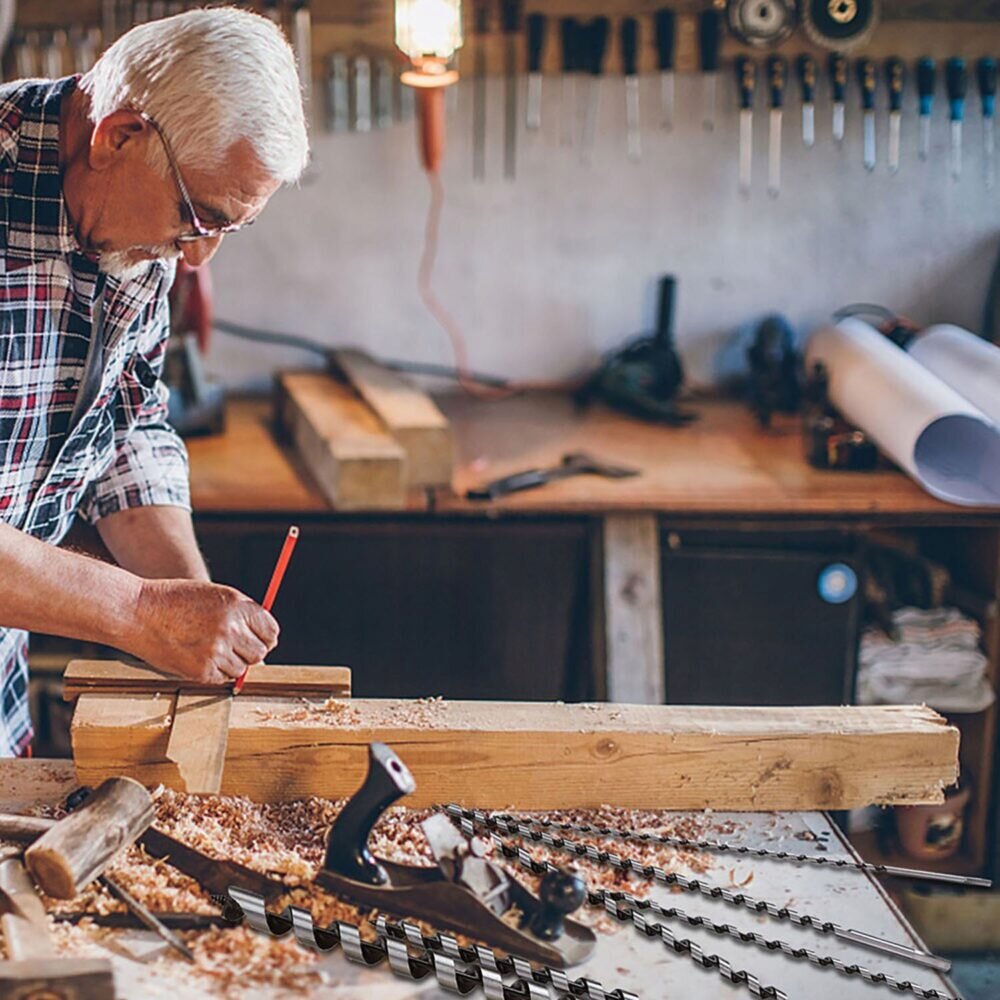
(546, 272)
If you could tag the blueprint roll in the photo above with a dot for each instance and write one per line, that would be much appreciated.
(969, 364)
(937, 436)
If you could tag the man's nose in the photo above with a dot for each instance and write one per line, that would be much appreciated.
(198, 252)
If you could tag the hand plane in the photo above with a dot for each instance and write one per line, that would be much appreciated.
(464, 892)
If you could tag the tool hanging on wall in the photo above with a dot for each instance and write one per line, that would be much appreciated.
(926, 85)
(806, 67)
(52, 55)
(840, 25)
(762, 23)
(956, 78)
(777, 77)
(86, 43)
(109, 21)
(595, 45)
(480, 31)
(384, 80)
(510, 24)
(666, 44)
(537, 24)
(26, 52)
(571, 40)
(302, 44)
(709, 42)
(338, 101)
(272, 11)
(986, 74)
(868, 80)
(746, 81)
(838, 90)
(361, 94)
(895, 74)
(629, 35)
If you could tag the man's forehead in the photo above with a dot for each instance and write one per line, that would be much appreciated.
(236, 190)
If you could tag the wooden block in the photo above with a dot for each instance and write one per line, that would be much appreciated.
(353, 459)
(198, 738)
(109, 676)
(409, 414)
(542, 756)
(23, 919)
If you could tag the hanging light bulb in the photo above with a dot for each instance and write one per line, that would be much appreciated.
(429, 32)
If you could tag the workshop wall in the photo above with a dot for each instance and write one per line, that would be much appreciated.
(545, 272)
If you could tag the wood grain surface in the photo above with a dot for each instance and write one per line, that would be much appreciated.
(547, 756)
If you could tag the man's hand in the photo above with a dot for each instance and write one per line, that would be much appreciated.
(203, 631)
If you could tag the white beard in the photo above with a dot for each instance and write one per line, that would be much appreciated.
(121, 264)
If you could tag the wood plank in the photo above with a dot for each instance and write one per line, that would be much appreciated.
(198, 738)
(548, 756)
(353, 459)
(633, 612)
(23, 919)
(408, 413)
(108, 676)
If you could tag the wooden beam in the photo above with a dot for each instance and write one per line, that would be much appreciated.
(633, 612)
(113, 676)
(353, 459)
(543, 756)
(409, 414)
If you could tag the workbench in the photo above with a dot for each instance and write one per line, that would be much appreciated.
(558, 592)
(624, 958)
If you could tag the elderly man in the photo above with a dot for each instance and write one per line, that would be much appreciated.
(179, 134)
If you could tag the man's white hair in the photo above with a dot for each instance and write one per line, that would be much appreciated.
(209, 78)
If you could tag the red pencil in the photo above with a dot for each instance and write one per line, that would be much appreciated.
(272, 588)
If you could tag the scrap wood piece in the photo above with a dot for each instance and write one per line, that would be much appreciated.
(198, 738)
(354, 460)
(408, 413)
(113, 676)
(495, 755)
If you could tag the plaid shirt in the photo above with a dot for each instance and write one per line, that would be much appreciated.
(82, 410)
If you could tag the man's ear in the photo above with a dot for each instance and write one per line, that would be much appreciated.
(116, 134)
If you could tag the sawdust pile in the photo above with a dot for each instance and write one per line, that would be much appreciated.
(287, 841)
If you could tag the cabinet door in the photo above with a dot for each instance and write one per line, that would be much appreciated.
(750, 626)
(420, 608)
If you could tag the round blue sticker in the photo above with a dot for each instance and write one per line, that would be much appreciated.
(838, 583)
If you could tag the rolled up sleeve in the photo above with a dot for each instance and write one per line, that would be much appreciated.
(150, 467)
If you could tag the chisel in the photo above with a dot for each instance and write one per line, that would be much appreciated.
(926, 84)
(536, 43)
(806, 66)
(86, 43)
(52, 55)
(746, 81)
(595, 46)
(272, 11)
(338, 108)
(986, 72)
(709, 37)
(868, 82)
(383, 93)
(895, 74)
(140, 12)
(362, 80)
(777, 77)
(302, 38)
(510, 24)
(838, 88)
(570, 38)
(630, 54)
(666, 43)
(480, 29)
(109, 21)
(956, 77)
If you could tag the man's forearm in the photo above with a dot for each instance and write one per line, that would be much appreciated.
(157, 543)
(47, 589)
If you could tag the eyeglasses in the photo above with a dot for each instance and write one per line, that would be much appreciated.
(201, 231)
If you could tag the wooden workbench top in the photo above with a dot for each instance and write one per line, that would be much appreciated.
(722, 465)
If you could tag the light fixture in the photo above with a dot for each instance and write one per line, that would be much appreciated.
(429, 32)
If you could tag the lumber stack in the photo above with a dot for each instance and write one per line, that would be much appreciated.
(545, 756)
(367, 437)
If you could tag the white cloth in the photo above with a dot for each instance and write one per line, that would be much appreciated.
(938, 661)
